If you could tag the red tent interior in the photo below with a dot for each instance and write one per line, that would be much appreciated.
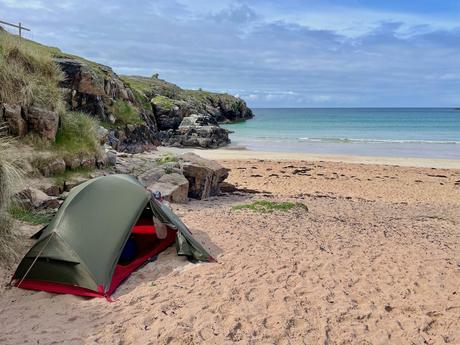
(147, 246)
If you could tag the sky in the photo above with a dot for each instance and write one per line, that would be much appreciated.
(291, 53)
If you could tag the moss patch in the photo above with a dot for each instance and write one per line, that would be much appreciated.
(163, 102)
(265, 206)
(166, 158)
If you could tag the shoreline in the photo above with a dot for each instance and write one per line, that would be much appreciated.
(244, 154)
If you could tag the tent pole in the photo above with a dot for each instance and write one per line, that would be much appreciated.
(36, 258)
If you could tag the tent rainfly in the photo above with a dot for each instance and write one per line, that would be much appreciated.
(80, 251)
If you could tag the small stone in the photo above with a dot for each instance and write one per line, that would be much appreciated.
(111, 158)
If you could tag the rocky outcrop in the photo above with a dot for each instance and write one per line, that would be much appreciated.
(141, 112)
(196, 131)
(189, 117)
(133, 139)
(186, 176)
(91, 88)
(203, 176)
(21, 120)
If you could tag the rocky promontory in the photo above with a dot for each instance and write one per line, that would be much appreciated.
(142, 112)
(138, 112)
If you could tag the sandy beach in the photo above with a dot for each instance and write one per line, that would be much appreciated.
(374, 260)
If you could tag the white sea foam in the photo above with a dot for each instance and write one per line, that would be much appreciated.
(377, 141)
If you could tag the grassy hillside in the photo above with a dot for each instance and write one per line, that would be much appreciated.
(29, 77)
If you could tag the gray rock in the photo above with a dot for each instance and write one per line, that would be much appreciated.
(101, 160)
(51, 189)
(204, 175)
(151, 176)
(43, 122)
(52, 166)
(133, 139)
(102, 135)
(173, 187)
(111, 158)
(35, 198)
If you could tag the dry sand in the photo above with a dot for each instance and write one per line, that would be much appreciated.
(376, 260)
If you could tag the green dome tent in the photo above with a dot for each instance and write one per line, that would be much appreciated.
(79, 251)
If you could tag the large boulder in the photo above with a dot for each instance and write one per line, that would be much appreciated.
(154, 173)
(12, 116)
(204, 175)
(43, 122)
(173, 187)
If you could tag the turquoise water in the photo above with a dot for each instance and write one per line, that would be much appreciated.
(406, 132)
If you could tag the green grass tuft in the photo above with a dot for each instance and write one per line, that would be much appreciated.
(125, 113)
(77, 135)
(265, 206)
(167, 158)
(35, 217)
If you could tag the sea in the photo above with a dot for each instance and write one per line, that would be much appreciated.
(385, 132)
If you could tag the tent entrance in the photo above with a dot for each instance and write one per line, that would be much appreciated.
(144, 241)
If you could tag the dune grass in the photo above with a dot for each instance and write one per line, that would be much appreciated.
(28, 75)
(77, 134)
(10, 179)
(266, 206)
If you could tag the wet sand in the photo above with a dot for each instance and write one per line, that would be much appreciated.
(243, 154)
